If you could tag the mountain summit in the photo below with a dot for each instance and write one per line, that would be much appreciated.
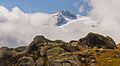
(64, 16)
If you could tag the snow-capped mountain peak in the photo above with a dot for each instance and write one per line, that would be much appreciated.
(63, 17)
(68, 14)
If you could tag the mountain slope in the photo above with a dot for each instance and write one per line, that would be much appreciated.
(45, 52)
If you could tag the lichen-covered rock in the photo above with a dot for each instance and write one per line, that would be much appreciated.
(65, 59)
(66, 64)
(111, 41)
(66, 46)
(53, 63)
(38, 40)
(26, 61)
(54, 51)
(96, 40)
(21, 48)
(45, 52)
(69, 48)
(40, 62)
(75, 44)
(6, 58)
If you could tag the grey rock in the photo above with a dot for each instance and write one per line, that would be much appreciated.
(66, 59)
(36, 43)
(75, 44)
(40, 39)
(21, 48)
(66, 64)
(117, 55)
(6, 58)
(40, 62)
(53, 63)
(96, 40)
(54, 51)
(111, 41)
(70, 48)
(42, 51)
(26, 61)
(74, 60)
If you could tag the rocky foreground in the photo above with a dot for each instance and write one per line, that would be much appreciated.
(92, 50)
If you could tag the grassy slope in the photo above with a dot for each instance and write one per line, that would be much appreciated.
(106, 58)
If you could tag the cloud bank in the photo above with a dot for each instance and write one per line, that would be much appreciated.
(18, 28)
(107, 13)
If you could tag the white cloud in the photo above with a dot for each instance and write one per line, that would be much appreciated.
(107, 12)
(19, 28)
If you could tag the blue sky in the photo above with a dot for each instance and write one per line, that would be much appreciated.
(47, 6)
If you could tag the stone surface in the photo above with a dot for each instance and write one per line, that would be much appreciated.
(45, 52)
(21, 48)
(26, 61)
(66, 64)
(40, 62)
(54, 51)
(96, 40)
(6, 58)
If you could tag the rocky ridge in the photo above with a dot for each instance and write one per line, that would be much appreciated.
(45, 52)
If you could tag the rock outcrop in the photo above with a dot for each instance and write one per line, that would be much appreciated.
(6, 58)
(45, 52)
(95, 40)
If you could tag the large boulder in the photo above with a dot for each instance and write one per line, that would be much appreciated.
(55, 51)
(6, 58)
(26, 61)
(40, 62)
(96, 40)
(38, 40)
(21, 48)
(66, 59)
